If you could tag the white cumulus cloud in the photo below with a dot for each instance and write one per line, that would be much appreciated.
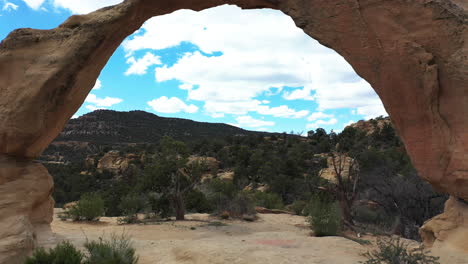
(282, 111)
(321, 122)
(141, 65)
(371, 111)
(82, 6)
(318, 115)
(8, 6)
(171, 105)
(250, 122)
(34, 4)
(260, 53)
(94, 108)
(219, 108)
(97, 85)
(102, 102)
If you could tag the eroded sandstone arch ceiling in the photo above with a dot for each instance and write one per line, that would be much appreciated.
(412, 52)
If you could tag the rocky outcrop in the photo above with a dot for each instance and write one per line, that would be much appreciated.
(412, 52)
(341, 165)
(25, 207)
(226, 176)
(370, 126)
(263, 187)
(448, 230)
(113, 162)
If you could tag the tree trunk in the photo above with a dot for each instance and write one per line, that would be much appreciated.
(346, 210)
(179, 207)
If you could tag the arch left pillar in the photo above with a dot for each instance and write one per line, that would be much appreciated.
(26, 207)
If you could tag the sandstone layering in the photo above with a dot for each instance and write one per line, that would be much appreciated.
(413, 53)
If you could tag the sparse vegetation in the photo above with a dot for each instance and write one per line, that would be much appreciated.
(131, 205)
(89, 208)
(116, 249)
(325, 218)
(216, 224)
(63, 253)
(268, 200)
(298, 207)
(395, 251)
(228, 201)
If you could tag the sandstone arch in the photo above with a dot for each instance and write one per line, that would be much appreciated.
(413, 52)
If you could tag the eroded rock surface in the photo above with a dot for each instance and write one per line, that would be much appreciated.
(115, 163)
(449, 230)
(413, 53)
(339, 165)
(25, 207)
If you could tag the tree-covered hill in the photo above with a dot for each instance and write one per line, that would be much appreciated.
(106, 129)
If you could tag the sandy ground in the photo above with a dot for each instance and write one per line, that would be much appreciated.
(273, 239)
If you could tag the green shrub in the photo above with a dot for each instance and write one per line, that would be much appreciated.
(160, 205)
(298, 207)
(226, 199)
(364, 214)
(325, 218)
(63, 253)
(268, 200)
(116, 250)
(131, 205)
(196, 201)
(395, 251)
(242, 204)
(227, 188)
(89, 208)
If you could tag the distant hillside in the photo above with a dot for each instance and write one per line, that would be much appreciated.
(97, 130)
(105, 126)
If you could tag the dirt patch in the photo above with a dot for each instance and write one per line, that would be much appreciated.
(273, 239)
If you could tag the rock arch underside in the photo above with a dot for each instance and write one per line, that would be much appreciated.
(414, 53)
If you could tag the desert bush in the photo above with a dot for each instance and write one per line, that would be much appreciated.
(130, 206)
(225, 197)
(160, 204)
(116, 250)
(298, 207)
(395, 251)
(63, 253)
(242, 204)
(268, 200)
(220, 194)
(196, 201)
(89, 208)
(363, 214)
(226, 188)
(325, 218)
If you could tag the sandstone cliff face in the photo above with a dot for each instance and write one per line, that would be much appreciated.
(413, 53)
(25, 207)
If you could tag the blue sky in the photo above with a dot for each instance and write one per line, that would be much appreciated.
(250, 68)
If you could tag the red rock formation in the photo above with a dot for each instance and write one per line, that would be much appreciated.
(413, 53)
